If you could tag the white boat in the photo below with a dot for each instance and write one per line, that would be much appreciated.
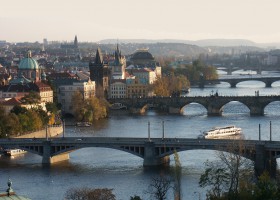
(220, 132)
(14, 152)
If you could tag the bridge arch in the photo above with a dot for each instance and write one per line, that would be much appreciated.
(246, 153)
(272, 108)
(236, 107)
(137, 151)
(194, 107)
(252, 83)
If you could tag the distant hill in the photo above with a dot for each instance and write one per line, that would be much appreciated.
(202, 43)
(157, 49)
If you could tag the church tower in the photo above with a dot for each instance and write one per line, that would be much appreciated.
(76, 42)
(99, 72)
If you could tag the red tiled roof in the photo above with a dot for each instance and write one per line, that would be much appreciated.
(12, 102)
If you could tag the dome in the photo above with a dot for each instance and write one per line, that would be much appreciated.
(28, 62)
(142, 55)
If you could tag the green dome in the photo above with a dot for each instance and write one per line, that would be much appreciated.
(28, 62)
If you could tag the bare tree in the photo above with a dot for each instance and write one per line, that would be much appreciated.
(225, 175)
(89, 194)
(159, 187)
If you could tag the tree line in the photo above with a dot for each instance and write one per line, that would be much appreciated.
(174, 80)
(21, 120)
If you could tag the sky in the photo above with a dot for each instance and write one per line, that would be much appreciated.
(94, 20)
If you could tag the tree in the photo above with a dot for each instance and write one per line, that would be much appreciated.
(31, 98)
(225, 176)
(78, 105)
(89, 194)
(159, 187)
(88, 109)
(266, 188)
(12, 125)
(18, 110)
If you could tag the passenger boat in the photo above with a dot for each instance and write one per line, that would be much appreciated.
(13, 152)
(220, 132)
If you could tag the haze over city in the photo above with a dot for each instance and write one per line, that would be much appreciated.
(158, 19)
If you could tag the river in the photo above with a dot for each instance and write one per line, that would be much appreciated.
(108, 168)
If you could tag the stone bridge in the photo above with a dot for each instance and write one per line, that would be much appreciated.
(234, 81)
(213, 104)
(154, 151)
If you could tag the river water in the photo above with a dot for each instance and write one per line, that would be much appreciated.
(108, 168)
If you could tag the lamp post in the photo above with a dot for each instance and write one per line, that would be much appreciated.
(149, 136)
(163, 130)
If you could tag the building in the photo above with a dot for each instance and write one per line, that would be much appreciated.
(142, 58)
(136, 88)
(100, 73)
(66, 92)
(118, 66)
(29, 68)
(69, 45)
(117, 89)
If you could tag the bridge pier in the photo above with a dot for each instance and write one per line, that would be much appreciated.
(151, 158)
(265, 162)
(48, 159)
(214, 111)
(134, 110)
(174, 110)
(260, 160)
(256, 110)
(268, 84)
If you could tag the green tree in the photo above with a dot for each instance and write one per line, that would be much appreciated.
(18, 110)
(266, 188)
(51, 107)
(12, 125)
(31, 98)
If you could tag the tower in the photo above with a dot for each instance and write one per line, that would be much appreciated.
(99, 72)
(76, 42)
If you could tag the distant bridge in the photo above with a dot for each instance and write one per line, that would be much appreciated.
(213, 104)
(234, 81)
(154, 151)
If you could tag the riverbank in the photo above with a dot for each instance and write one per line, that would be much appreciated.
(53, 131)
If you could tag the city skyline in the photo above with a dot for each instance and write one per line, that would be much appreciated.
(95, 20)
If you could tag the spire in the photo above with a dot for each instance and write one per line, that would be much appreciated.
(29, 55)
(98, 57)
(117, 55)
(76, 41)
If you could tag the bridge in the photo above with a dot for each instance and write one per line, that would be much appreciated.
(213, 104)
(154, 151)
(234, 81)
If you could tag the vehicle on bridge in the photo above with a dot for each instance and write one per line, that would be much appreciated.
(220, 132)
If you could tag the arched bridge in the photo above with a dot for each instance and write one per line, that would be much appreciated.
(234, 81)
(155, 151)
(213, 104)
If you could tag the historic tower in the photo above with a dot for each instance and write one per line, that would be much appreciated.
(99, 72)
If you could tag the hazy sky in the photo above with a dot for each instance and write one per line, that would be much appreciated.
(92, 20)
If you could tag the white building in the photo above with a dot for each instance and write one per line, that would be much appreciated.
(117, 89)
(66, 93)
